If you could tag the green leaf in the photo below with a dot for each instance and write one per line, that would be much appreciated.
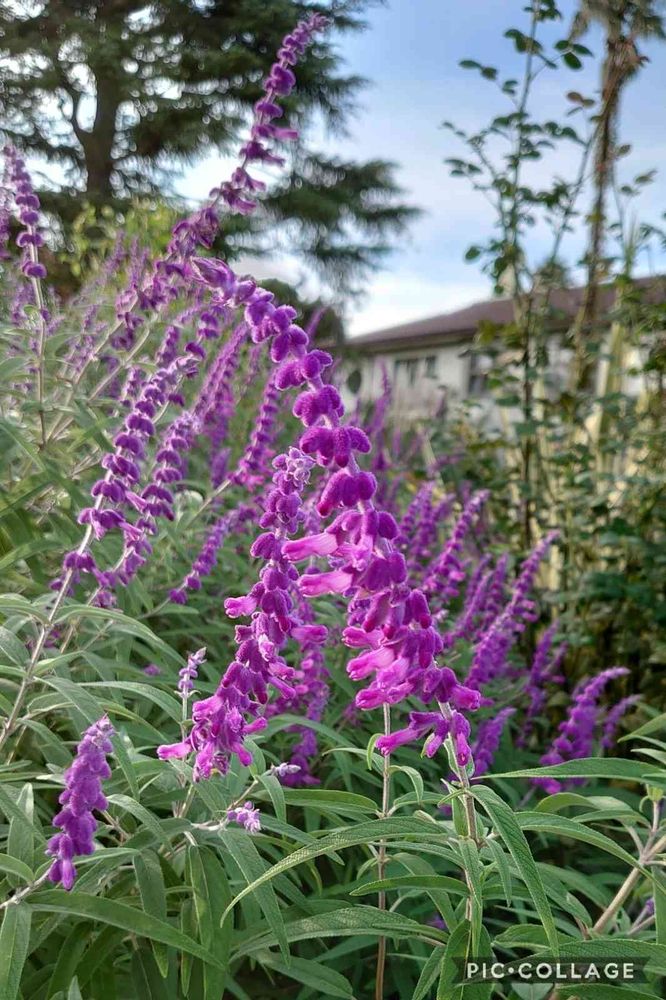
(170, 705)
(11, 648)
(503, 867)
(329, 798)
(651, 726)
(142, 814)
(68, 959)
(253, 867)
(152, 890)
(325, 981)
(14, 940)
(659, 891)
(275, 793)
(21, 841)
(610, 948)
(361, 833)
(417, 865)
(586, 767)
(74, 992)
(77, 697)
(414, 776)
(147, 981)
(414, 881)
(9, 368)
(118, 914)
(565, 827)
(344, 922)
(122, 622)
(16, 867)
(504, 820)
(126, 766)
(13, 812)
(561, 800)
(459, 950)
(428, 974)
(210, 895)
(16, 603)
(572, 61)
(370, 750)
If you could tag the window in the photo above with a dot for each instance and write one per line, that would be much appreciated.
(430, 364)
(406, 370)
(479, 368)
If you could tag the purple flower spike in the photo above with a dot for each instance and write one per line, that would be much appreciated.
(190, 671)
(491, 652)
(614, 718)
(545, 670)
(82, 794)
(206, 560)
(576, 734)
(447, 571)
(26, 211)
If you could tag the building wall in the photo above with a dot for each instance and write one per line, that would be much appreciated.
(422, 380)
(428, 380)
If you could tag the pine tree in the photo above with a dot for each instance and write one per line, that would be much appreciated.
(119, 94)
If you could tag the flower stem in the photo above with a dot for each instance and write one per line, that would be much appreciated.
(45, 630)
(468, 805)
(381, 860)
(625, 890)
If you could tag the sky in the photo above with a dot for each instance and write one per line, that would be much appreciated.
(410, 55)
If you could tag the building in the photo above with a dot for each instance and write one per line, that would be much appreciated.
(431, 364)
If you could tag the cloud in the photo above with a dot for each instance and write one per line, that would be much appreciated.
(401, 297)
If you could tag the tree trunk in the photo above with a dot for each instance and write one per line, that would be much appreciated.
(587, 318)
(98, 142)
(621, 61)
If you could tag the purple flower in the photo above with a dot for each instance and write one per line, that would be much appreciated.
(188, 674)
(613, 719)
(283, 770)
(491, 652)
(221, 722)
(82, 795)
(239, 193)
(488, 740)
(246, 816)
(27, 208)
(152, 670)
(251, 467)
(216, 403)
(310, 689)
(447, 572)
(206, 560)
(544, 670)
(576, 733)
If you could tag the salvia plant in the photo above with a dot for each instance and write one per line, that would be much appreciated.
(282, 714)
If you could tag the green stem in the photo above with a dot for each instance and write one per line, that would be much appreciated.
(629, 884)
(381, 860)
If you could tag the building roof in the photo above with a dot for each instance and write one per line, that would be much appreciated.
(463, 324)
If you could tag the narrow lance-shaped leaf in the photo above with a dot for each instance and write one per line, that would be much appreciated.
(14, 939)
(503, 819)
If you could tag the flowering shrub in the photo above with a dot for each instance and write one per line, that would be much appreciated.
(253, 672)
